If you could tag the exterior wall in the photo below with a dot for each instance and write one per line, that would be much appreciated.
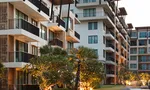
(9, 35)
(83, 30)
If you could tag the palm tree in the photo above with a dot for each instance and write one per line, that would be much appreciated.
(82, 54)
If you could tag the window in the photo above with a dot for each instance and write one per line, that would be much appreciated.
(142, 50)
(148, 49)
(143, 34)
(51, 35)
(20, 15)
(133, 43)
(142, 58)
(148, 66)
(134, 34)
(21, 46)
(70, 22)
(35, 23)
(93, 39)
(92, 25)
(133, 58)
(143, 66)
(103, 40)
(133, 65)
(142, 42)
(91, 12)
(69, 45)
(133, 51)
(96, 51)
(88, 1)
(43, 32)
(34, 50)
(104, 53)
(148, 34)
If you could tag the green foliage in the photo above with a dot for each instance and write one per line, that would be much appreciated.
(144, 76)
(52, 68)
(84, 53)
(2, 71)
(92, 70)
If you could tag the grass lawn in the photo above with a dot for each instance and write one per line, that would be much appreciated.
(111, 87)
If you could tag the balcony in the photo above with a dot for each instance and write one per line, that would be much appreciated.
(109, 35)
(111, 4)
(77, 35)
(18, 59)
(133, 43)
(57, 24)
(40, 5)
(117, 50)
(32, 6)
(83, 3)
(21, 29)
(56, 42)
(110, 45)
(71, 36)
(144, 61)
(58, 2)
(110, 60)
(108, 19)
(110, 72)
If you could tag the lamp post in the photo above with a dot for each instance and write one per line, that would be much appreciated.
(77, 81)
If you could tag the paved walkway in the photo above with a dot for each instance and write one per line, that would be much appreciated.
(142, 88)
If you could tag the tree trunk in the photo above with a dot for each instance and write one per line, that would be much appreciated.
(77, 76)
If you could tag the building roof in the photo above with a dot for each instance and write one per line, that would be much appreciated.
(130, 25)
(143, 27)
(122, 11)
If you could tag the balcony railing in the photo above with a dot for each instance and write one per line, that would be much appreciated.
(133, 43)
(56, 42)
(20, 56)
(117, 49)
(144, 61)
(40, 5)
(59, 20)
(110, 58)
(95, 14)
(110, 72)
(110, 45)
(22, 24)
(110, 33)
(111, 4)
(86, 1)
(143, 52)
(77, 35)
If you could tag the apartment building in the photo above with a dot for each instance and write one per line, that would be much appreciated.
(104, 29)
(140, 49)
(25, 26)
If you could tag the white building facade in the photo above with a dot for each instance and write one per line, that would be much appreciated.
(103, 29)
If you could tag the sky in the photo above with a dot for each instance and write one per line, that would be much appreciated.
(138, 12)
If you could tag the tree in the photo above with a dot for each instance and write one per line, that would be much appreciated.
(51, 68)
(92, 73)
(2, 71)
(85, 56)
(144, 77)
